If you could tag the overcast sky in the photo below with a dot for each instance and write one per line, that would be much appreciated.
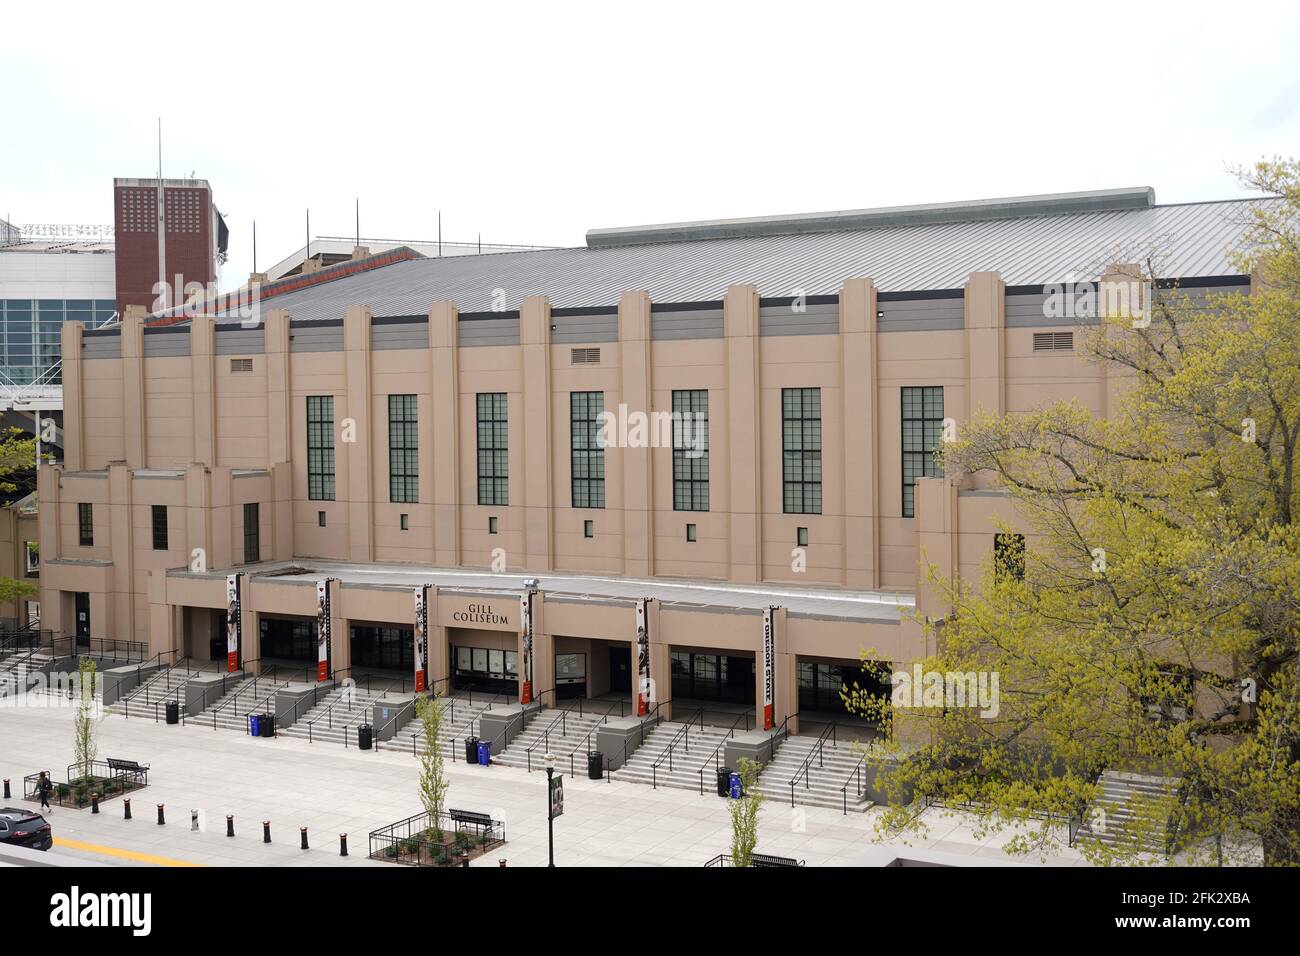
(532, 122)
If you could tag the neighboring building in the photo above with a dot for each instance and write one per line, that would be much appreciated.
(195, 239)
(326, 251)
(20, 557)
(429, 421)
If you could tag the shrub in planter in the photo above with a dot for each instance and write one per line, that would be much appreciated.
(391, 850)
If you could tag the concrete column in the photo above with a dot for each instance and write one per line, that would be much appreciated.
(543, 653)
(439, 648)
(198, 514)
(444, 389)
(740, 318)
(203, 356)
(358, 458)
(341, 647)
(537, 479)
(133, 409)
(282, 511)
(278, 392)
(985, 303)
(936, 540)
(163, 635)
(638, 473)
(858, 385)
(783, 703)
(74, 390)
(122, 536)
(49, 497)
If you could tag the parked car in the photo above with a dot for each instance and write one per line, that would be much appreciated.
(25, 828)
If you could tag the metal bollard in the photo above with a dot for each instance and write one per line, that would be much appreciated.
(126, 808)
(194, 820)
(230, 825)
(94, 803)
(266, 831)
(161, 819)
(303, 831)
(7, 788)
(343, 844)
(464, 860)
(501, 862)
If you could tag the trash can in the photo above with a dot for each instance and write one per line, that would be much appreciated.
(255, 725)
(736, 790)
(268, 725)
(364, 735)
(724, 781)
(595, 764)
(471, 750)
(173, 712)
(484, 753)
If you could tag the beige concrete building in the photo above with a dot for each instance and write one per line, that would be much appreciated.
(436, 423)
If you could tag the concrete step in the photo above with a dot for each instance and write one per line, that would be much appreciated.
(1121, 816)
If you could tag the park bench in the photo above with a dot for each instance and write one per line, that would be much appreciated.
(121, 768)
(763, 859)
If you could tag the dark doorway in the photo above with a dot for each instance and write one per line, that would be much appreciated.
(821, 684)
(217, 644)
(287, 639)
(384, 648)
(720, 677)
(82, 602)
(620, 670)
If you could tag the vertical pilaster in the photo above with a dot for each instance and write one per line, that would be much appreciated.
(1119, 296)
(357, 452)
(985, 304)
(133, 410)
(740, 318)
(278, 391)
(859, 379)
(282, 511)
(122, 575)
(74, 449)
(439, 647)
(444, 388)
(198, 513)
(637, 395)
(538, 478)
(203, 376)
(543, 653)
(49, 497)
(340, 643)
(936, 540)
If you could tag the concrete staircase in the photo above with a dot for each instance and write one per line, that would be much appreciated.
(1132, 812)
(460, 719)
(693, 752)
(826, 774)
(561, 731)
(230, 712)
(158, 688)
(17, 668)
(336, 717)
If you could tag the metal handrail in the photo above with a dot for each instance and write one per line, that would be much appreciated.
(819, 748)
(508, 695)
(683, 734)
(585, 742)
(856, 773)
(233, 702)
(731, 732)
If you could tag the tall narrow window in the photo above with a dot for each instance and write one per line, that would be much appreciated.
(320, 447)
(86, 524)
(493, 449)
(801, 444)
(922, 429)
(691, 449)
(587, 458)
(403, 449)
(160, 527)
(252, 534)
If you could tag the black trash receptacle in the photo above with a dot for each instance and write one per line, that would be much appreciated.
(268, 725)
(471, 750)
(365, 734)
(173, 712)
(724, 781)
(595, 764)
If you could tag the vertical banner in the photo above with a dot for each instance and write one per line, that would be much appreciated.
(421, 636)
(324, 624)
(526, 627)
(769, 668)
(234, 620)
(642, 659)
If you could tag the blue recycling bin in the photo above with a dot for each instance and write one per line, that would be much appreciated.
(736, 792)
(484, 753)
(254, 725)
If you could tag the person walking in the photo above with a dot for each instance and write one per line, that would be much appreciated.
(44, 786)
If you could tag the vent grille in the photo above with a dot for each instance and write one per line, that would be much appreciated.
(585, 357)
(241, 365)
(1053, 341)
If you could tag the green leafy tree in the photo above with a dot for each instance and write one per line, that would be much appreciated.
(433, 780)
(744, 814)
(86, 721)
(1155, 624)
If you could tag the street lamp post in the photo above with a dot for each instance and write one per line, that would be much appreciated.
(549, 761)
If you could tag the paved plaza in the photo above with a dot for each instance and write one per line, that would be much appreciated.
(332, 790)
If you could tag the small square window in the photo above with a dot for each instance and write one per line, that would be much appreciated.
(589, 529)
(320, 518)
(405, 523)
(802, 537)
(690, 532)
(492, 525)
